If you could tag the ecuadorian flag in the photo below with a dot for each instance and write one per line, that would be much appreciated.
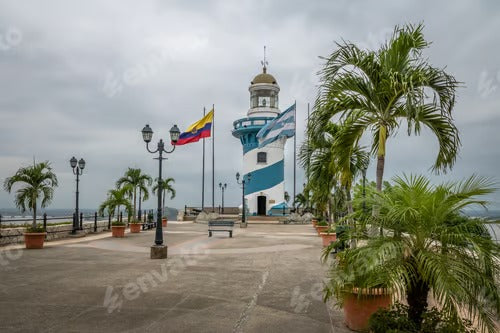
(199, 130)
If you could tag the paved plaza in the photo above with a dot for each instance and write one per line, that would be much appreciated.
(267, 278)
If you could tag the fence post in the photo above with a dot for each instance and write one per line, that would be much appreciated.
(81, 221)
(109, 221)
(95, 222)
(0, 225)
(74, 222)
(45, 221)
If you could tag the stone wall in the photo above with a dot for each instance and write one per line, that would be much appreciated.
(16, 235)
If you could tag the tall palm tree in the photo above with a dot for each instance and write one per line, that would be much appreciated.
(117, 198)
(166, 188)
(426, 249)
(137, 180)
(37, 181)
(376, 90)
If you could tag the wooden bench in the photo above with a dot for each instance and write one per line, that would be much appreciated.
(220, 225)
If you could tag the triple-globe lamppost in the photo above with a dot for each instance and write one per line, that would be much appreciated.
(243, 208)
(77, 167)
(159, 250)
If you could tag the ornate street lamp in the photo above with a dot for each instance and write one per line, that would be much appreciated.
(77, 167)
(243, 210)
(222, 187)
(158, 250)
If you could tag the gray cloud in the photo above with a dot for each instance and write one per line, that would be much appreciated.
(172, 58)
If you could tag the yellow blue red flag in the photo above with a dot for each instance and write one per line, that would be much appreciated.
(198, 130)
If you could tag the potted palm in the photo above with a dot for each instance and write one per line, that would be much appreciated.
(116, 199)
(420, 249)
(37, 181)
(133, 181)
(321, 226)
(166, 187)
(328, 236)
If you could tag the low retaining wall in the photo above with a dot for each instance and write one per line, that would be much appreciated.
(16, 235)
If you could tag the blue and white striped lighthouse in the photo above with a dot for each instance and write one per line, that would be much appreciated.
(266, 188)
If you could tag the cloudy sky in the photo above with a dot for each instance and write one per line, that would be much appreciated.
(83, 78)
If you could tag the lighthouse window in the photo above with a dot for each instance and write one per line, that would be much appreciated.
(264, 100)
(262, 157)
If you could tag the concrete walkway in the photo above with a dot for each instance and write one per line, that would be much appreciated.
(267, 278)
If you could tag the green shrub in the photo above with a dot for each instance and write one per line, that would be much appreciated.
(395, 320)
(118, 223)
(37, 228)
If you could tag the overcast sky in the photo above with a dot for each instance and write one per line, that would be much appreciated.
(83, 78)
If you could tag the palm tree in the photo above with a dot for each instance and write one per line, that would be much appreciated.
(137, 180)
(376, 90)
(426, 249)
(300, 200)
(166, 188)
(37, 181)
(117, 198)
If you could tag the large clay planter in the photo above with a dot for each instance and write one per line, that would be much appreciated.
(34, 240)
(118, 231)
(321, 228)
(164, 222)
(135, 227)
(359, 308)
(328, 238)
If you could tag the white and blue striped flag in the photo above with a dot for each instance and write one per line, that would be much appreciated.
(281, 126)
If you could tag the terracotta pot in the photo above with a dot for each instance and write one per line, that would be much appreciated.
(118, 230)
(359, 308)
(328, 238)
(135, 227)
(34, 240)
(321, 228)
(164, 222)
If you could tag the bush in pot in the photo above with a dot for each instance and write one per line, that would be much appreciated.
(420, 249)
(118, 229)
(36, 181)
(321, 226)
(135, 226)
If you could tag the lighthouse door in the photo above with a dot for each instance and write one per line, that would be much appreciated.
(261, 205)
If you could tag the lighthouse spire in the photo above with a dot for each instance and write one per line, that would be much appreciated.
(264, 62)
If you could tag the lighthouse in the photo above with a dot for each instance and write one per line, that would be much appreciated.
(265, 190)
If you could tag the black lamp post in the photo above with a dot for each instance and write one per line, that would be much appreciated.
(77, 167)
(158, 250)
(243, 210)
(363, 171)
(222, 187)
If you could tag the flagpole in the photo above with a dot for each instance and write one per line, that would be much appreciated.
(295, 156)
(308, 160)
(307, 132)
(213, 160)
(203, 173)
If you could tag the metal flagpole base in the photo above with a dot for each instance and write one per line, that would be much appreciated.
(159, 251)
(243, 225)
